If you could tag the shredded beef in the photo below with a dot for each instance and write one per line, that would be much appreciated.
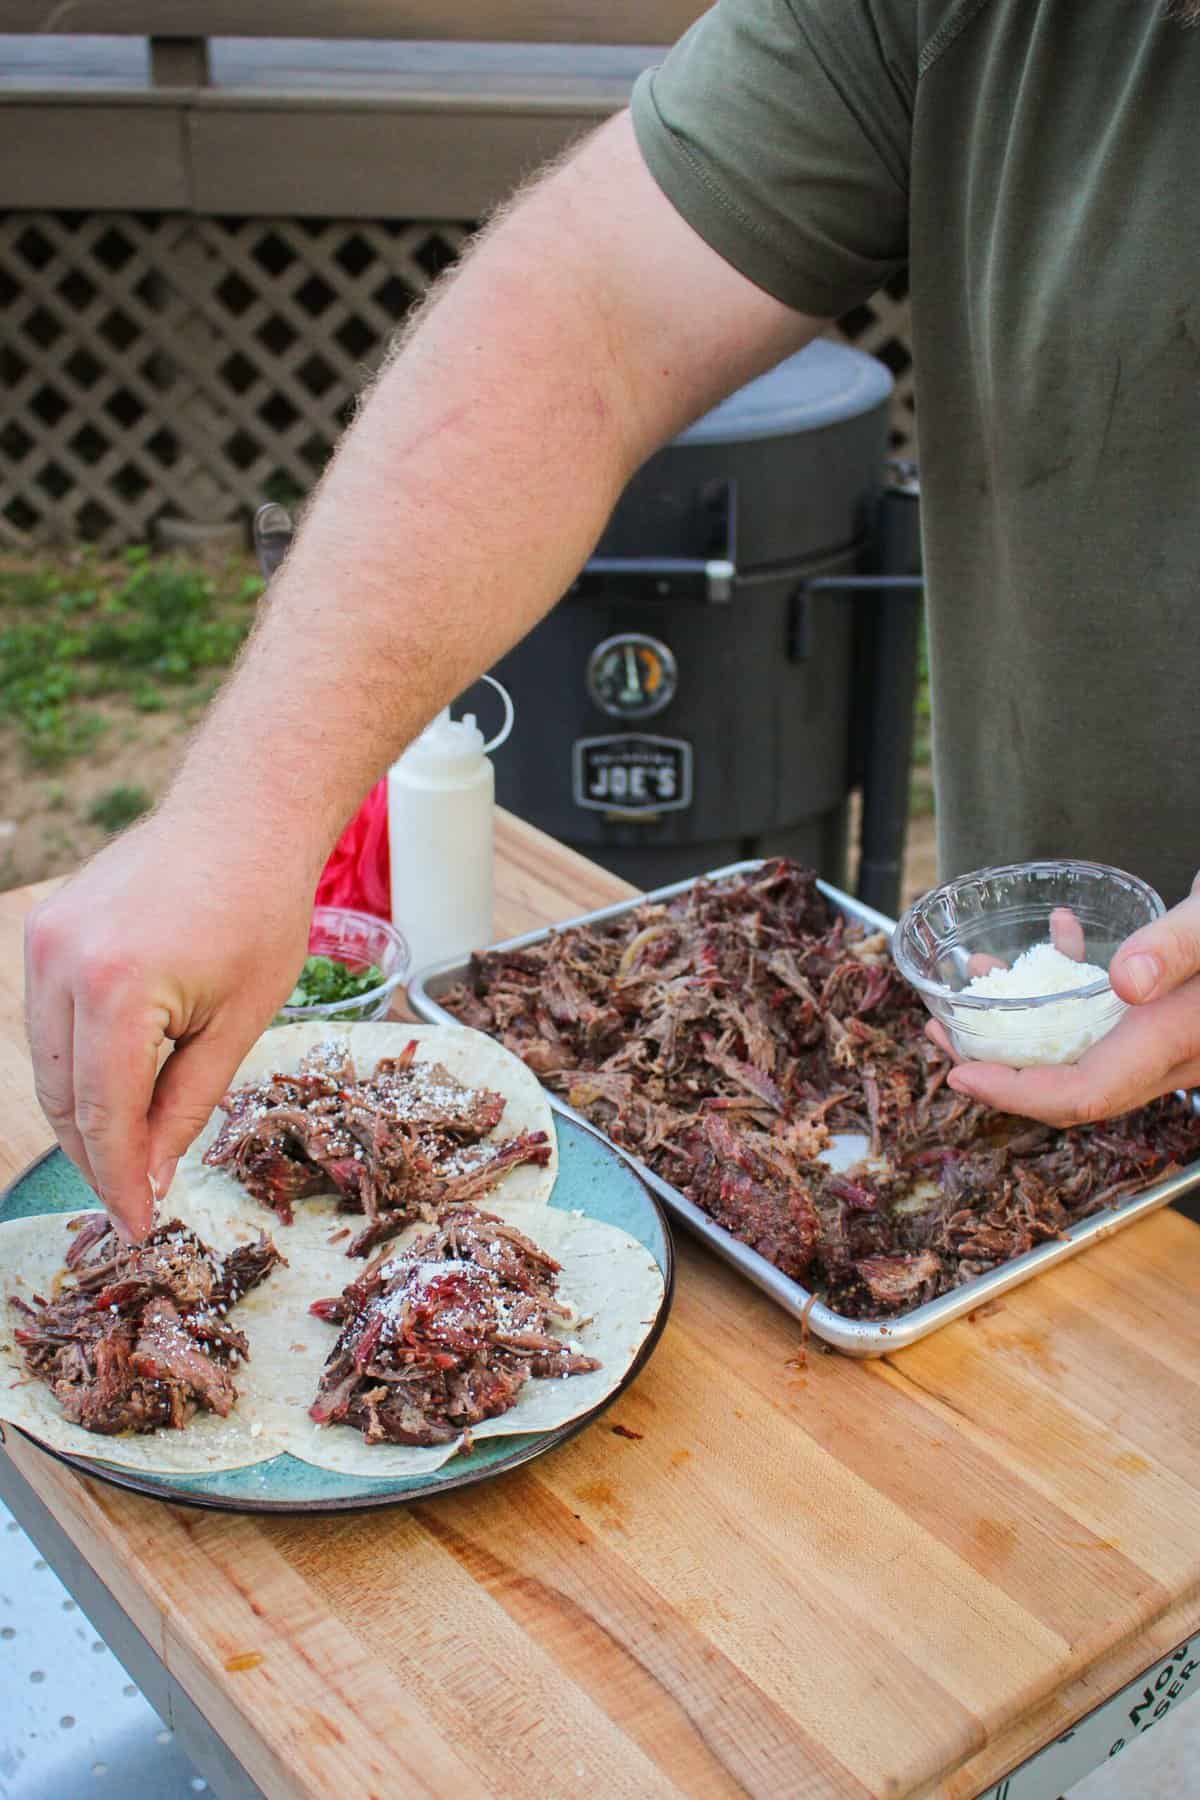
(724, 1035)
(445, 1334)
(398, 1145)
(137, 1337)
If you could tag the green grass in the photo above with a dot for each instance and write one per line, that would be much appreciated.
(154, 632)
(119, 807)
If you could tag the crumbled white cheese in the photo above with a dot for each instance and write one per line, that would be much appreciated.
(1058, 1032)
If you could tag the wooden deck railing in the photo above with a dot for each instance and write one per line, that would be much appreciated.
(480, 21)
(441, 128)
(204, 248)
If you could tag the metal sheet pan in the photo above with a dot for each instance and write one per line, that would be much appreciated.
(855, 1337)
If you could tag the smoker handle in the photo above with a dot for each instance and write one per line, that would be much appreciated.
(892, 682)
(708, 578)
(659, 578)
(273, 532)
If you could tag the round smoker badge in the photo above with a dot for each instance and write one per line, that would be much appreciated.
(632, 676)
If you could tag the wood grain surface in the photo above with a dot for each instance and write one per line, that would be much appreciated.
(784, 1577)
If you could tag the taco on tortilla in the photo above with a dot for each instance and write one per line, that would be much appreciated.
(596, 1288)
(443, 1335)
(399, 1121)
(133, 1354)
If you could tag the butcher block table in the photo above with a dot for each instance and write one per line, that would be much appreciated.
(759, 1573)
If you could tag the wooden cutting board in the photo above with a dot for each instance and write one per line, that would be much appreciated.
(778, 1577)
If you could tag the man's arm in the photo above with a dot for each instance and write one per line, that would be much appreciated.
(588, 325)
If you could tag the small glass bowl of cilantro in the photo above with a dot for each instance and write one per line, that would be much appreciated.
(354, 965)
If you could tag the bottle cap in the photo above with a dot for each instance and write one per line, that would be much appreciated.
(447, 745)
(455, 745)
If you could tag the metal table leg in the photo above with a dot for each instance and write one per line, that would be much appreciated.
(196, 1737)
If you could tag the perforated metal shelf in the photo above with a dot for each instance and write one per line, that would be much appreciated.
(72, 1724)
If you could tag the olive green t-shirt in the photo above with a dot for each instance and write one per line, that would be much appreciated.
(1036, 164)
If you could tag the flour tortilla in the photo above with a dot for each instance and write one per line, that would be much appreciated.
(32, 1256)
(613, 1283)
(468, 1055)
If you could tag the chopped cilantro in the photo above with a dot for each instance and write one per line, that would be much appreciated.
(324, 980)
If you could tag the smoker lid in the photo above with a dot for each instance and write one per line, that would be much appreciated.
(823, 385)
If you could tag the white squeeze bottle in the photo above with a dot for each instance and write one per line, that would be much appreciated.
(441, 802)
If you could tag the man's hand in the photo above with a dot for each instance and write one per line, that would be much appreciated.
(1153, 1050)
(149, 946)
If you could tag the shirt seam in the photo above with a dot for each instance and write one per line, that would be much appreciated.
(711, 187)
(949, 29)
(900, 187)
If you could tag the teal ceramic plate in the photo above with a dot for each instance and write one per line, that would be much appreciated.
(592, 1178)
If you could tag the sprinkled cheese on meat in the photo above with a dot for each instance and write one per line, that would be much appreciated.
(398, 1145)
(136, 1336)
(445, 1335)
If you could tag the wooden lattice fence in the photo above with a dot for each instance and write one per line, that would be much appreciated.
(166, 364)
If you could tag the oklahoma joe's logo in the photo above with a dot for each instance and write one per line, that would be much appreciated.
(632, 774)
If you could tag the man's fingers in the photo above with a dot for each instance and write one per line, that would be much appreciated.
(1066, 934)
(116, 1055)
(162, 1175)
(1146, 1054)
(1056, 1096)
(937, 1034)
(49, 1026)
(1157, 958)
(189, 1085)
(980, 963)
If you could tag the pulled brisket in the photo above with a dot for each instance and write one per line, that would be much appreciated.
(137, 1338)
(445, 1334)
(725, 1035)
(398, 1145)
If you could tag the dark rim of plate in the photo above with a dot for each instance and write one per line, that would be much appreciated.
(550, 1440)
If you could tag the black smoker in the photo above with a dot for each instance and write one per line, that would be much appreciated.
(740, 652)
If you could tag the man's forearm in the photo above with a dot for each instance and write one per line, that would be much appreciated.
(469, 491)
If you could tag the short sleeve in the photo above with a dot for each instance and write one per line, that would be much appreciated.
(781, 132)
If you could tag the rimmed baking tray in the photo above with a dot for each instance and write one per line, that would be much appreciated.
(856, 1337)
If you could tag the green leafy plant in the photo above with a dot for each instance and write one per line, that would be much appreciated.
(325, 981)
(148, 699)
(119, 807)
(156, 633)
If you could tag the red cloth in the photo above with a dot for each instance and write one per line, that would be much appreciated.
(357, 873)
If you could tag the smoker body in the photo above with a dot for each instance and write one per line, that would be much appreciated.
(690, 702)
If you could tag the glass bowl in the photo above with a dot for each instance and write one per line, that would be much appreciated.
(359, 940)
(993, 915)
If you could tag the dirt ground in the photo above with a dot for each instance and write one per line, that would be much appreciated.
(44, 827)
